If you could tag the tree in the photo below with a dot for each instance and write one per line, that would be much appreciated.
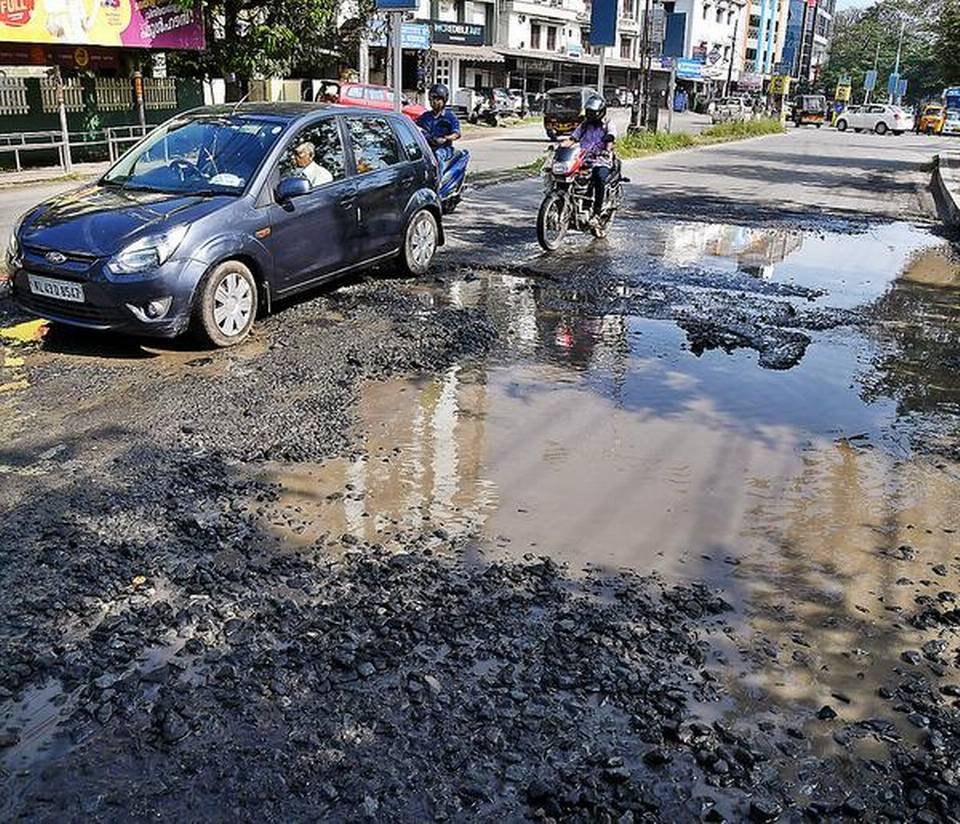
(858, 33)
(946, 47)
(251, 38)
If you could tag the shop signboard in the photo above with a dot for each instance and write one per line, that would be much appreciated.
(459, 34)
(780, 84)
(842, 93)
(396, 5)
(145, 24)
(414, 36)
(688, 69)
(750, 81)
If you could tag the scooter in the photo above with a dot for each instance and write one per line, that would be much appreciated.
(453, 175)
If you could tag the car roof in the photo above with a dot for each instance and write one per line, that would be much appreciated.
(281, 111)
(570, 89)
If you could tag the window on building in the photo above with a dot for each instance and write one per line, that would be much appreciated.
(730, 17)
(726, 54)
(551, 38)
(719, 15)
(706, 10)
(629, 10)
(535, 36)
(626, 48)
(442, 73)
(755, 21)
(751, 54)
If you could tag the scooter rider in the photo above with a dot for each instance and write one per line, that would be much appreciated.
(596, 138)
(440, 124)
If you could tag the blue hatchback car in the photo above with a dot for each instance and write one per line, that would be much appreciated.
(221, 211)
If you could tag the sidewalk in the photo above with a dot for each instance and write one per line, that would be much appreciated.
(51, 174)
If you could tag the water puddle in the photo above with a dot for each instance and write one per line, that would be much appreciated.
(606, 439)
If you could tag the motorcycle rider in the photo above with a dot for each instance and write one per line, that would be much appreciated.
(440, 124)
(596, 136)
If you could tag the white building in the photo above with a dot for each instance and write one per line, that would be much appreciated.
(715, 31)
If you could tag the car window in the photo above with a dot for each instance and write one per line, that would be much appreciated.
(374, 143)
(356, 92)
(316, 153)
(376, 95)
(408, 138)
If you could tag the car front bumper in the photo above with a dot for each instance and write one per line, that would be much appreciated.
(106, 304)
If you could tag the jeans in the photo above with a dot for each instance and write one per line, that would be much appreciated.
(600, 175)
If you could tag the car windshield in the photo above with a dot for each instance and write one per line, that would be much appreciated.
(209, 154)
(569, 102)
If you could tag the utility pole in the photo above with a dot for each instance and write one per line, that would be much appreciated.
(65, 153)
(397, 33)
(641, 90)
(894, 95)
(876, 63)
(733, 52)
(601, 69)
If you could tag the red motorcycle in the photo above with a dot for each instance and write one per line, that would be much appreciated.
(568, 199)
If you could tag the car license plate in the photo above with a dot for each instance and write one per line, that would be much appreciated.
(60, 289)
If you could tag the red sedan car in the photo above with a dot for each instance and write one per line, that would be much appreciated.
(365, 95)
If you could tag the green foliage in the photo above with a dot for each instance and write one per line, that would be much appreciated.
(740, 129)
(946, 47)
(250, 38)
(858, 33)
(641, 144)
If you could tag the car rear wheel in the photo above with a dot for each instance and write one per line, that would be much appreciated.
(420, 243)
(880, 128)
(227, 304)
(841, 125)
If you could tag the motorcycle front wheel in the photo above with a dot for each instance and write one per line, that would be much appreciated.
(552, 222)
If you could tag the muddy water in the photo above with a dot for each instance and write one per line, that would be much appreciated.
(603, 441)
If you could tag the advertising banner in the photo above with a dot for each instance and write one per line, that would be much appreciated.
(396, 5)
(870, 81)
(414, 36)
(750, 81)
(688, 69)
(147, 24)
(603, 23)
(893, 81)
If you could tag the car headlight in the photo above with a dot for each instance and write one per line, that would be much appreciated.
(148, 252)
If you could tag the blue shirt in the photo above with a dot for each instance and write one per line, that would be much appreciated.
(441, 125)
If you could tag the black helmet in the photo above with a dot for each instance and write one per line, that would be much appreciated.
(595, 109)
(439, 90)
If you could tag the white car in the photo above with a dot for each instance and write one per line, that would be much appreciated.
(875, 117)
(731, 108)
(951, 123)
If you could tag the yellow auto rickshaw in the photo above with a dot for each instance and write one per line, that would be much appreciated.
(932, 117)
(563, 109)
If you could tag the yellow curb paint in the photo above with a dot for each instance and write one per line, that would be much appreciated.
(10, 362)
(13, 386)
(32, 330)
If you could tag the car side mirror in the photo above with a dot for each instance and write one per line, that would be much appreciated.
(291, 187)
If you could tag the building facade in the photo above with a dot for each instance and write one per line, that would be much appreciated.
(713, 32)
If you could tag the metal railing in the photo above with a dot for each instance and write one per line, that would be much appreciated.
(120, 137)
(116, 138)
(13, 96)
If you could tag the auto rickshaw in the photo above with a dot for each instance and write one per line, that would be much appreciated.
(563, 109)
(809, 109)
(932, 117)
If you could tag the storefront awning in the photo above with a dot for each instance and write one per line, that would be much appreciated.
(477, 54)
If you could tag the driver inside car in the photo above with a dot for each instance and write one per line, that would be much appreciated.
(596, 138)
(306, 166)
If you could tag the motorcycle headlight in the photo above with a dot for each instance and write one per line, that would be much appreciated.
(148, 252)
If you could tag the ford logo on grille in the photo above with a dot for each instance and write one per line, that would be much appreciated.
(55, 257)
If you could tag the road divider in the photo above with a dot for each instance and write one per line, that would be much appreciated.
(946, 185)
(641, 144)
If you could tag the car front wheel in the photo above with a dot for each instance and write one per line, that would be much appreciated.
(420, 243)
(227, 304)
(841, 125)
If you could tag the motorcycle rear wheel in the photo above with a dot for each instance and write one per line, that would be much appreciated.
(552, 222)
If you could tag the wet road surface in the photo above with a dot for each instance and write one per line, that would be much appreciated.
(319, 556)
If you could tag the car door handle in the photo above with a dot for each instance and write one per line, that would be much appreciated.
(348, 201)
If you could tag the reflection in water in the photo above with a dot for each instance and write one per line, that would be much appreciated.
(754, 251)
(596, 439)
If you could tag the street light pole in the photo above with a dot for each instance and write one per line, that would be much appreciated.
(397, 33)
(733, 51)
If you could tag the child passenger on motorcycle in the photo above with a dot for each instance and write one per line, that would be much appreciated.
(440, 124)
(596, 137)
